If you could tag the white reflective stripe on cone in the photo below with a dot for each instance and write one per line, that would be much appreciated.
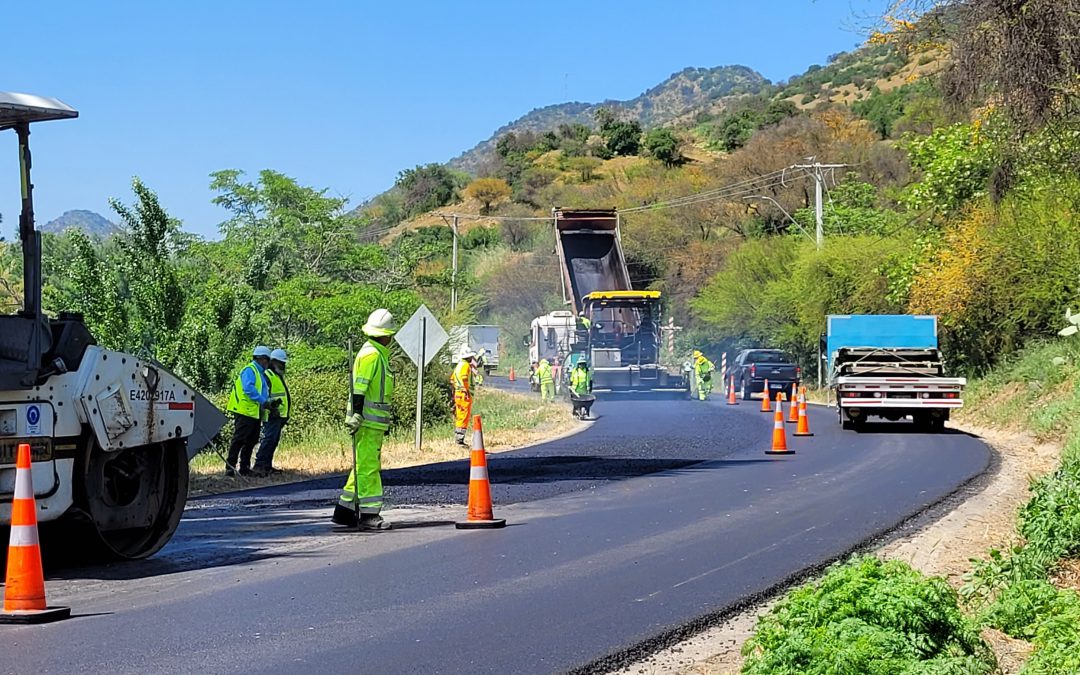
(24, 484)
(23, 535)
(478, 473)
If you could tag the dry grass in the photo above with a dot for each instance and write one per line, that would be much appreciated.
(1067, 574)
(511, 420)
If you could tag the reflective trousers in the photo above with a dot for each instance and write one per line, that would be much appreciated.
(365, 481)
(547, 390)
(704, 387)
(462, 413)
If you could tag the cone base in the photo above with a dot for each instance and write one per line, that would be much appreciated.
(36, 615)
(730, 403)
(779, 452)
(805, 434)
(480, 524)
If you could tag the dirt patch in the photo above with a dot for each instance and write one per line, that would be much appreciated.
(1067, 575)
(1010, 652)
(942, 547)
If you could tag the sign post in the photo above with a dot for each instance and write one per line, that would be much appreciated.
(420, 383)
(420, 338)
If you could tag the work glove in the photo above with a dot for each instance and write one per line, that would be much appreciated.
(352, 422)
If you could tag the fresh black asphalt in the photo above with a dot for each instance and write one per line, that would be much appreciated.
(659, 514)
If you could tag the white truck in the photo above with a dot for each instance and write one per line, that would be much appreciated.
(477, 338)
(889, 366)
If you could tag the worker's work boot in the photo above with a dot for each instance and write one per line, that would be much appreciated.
(373, 521)
(459, 436)
(343, 515)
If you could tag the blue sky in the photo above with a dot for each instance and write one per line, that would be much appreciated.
(343, 95)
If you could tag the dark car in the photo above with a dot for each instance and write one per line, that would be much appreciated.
(754, 366)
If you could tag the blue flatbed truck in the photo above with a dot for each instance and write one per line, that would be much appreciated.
(889, 366)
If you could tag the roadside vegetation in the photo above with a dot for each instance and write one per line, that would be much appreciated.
(317, 449)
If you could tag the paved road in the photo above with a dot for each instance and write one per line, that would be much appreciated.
(660, 513)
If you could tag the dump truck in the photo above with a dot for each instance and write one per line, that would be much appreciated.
(618, 329)
(111, 434)
(889, 366)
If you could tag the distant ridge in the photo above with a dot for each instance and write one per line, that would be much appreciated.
(93, 224)
(687, 90)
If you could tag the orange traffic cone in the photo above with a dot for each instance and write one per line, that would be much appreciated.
(511, 376)
(24, 592)
(794, 416)
(804, 422)
(480, 515)
(731, 400)
(779, 438)
(765, 407)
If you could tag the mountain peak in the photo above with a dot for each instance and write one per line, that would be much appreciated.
(689, 89)
(93, 224)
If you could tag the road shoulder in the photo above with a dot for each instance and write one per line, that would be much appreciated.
(940, 541)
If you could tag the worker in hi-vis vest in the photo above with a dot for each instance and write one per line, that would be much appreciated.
(368, 420)
(249, 394)
(546, 376)
(464, 381)
(275, 415)
(703, 370)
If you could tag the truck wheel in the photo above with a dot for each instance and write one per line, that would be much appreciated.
(134, 497)
(746, 393)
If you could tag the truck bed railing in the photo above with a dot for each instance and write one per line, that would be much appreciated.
(856, 361)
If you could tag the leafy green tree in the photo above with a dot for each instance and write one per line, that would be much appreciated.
(279, 222)
(428, 187)
(95, 293)
(147, 267)
(852, 208)
(956, 163)
(736, 129)
(622, 137)
(488, 191)
(665, 146)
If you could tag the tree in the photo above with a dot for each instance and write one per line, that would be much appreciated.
(584, 166)
(735, 130)
(622, 137)
(488, 191)
(280, 222)
(148, 269)
(427, 187)
(664, 145)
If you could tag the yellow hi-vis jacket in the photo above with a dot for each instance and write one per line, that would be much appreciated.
(239, 401)
(278, 390)
(464, 377)
(373, 380)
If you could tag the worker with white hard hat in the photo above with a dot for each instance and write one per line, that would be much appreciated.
(250, 393)
(368, 420)
(463, 380)
(275, 415)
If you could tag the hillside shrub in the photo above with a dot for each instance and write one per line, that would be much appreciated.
(867, 617)
(1004, 275)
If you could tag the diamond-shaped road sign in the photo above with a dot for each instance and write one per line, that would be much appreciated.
(409, 336)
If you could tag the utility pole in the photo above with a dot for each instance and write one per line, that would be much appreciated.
(453, 273)
(819, 182)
